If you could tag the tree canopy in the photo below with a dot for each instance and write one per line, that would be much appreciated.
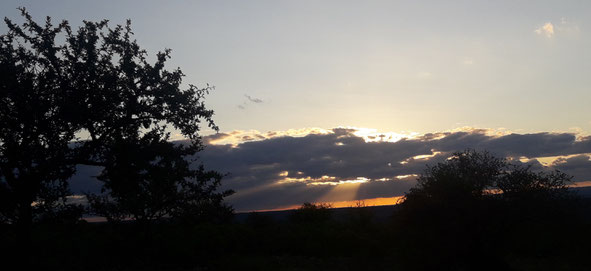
(473, 207)
(90, 95)
(473, 175)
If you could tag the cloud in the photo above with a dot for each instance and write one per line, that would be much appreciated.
(565, 28)
(547, 30)
(271, 170)
(579, 166)
(254, 100)
(240, 136)
(284, 170)
(249, 100)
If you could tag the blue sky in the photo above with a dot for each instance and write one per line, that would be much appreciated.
(418, 66)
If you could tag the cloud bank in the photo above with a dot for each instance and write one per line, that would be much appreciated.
(284, 169)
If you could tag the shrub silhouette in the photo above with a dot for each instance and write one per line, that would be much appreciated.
(360, 214)
(311, 213)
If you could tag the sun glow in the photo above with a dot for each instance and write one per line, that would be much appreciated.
(367, 202)
(324, 180)
(237, 137)
(421, 157)
(372, 135)
(407, 176)
(344, 203)
(343, 192)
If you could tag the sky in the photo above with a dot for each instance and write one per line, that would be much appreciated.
(291, 72)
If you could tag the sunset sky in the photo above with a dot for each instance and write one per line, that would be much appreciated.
(344, 100)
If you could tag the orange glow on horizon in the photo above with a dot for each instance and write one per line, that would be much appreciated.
(581, 184)
(366, 202)
(341, 204)
(376, 201)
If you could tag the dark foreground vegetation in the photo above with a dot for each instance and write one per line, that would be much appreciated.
(89, 96)
(447, 222)
(353, 242)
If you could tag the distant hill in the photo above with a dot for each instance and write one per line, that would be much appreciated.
(584, 192)
(378, 213)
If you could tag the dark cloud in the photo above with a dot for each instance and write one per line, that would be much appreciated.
(253, 99)
(578, 166)
(249, 99)
(257, 168)
(85, 180)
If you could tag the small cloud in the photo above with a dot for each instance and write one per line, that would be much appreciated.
(254, 100)
(468, 61)
(547, 30)
(249, 99)
(565, 27)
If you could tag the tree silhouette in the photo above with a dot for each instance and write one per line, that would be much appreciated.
(467, 174)
(522, 183)
(465, 210)
(472, 175)
(90, 96)
(151, 178)
(36, 130)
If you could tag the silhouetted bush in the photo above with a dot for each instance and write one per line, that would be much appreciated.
(360, 215)
(311, 213)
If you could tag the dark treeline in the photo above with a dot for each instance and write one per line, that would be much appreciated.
(472, 212)
(89, 96)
